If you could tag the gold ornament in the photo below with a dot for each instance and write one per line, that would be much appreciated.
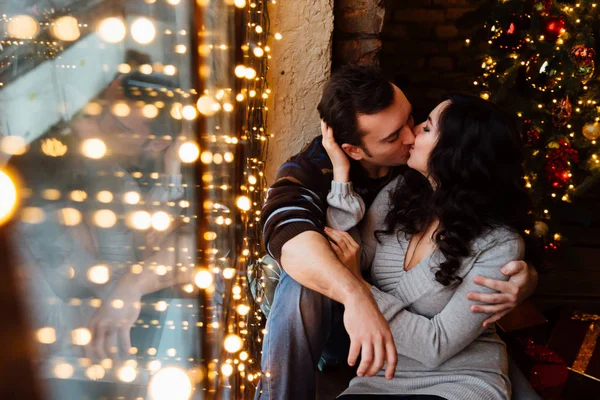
(591, 131)
(540, 229)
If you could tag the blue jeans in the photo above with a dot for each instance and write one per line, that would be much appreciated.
(298, 328)
(302, 325)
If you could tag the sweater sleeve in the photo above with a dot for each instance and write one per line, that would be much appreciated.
(294, 204)
(434, 341)
(346, 208)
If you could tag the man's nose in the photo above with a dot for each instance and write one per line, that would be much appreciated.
(409, 135)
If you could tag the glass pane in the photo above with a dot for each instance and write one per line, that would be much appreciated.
(98, 124)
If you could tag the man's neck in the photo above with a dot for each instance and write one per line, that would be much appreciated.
(374, 171)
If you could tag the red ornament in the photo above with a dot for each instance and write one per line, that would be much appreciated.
(582, 55)
(558, 170)
(532, 134)
(554, 26)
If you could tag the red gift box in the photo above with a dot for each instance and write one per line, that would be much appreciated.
(575, 338)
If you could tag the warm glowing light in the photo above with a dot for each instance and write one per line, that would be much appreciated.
(228, 273)
(32, 215)
(240, 71)
(105, 218)
(13, 145)
(64, 371)
(278, 36)
(23, 27)
(143, 31)
(244, 356)
(243, 309)
(170, 383)
(180, 49)
(132, 198)
(240, 3)
(173, 2)
(233, 343)
(207, 106)
(243, 203)
(53, 147)
(95, 372)
(112, 30)
(203, 279)
(250, 73)
(117, 304)
(189, 113)
(9, 197)
(161, 306)
(258, 52)
(161, 221)
(150, 111)
(66, 29)
(170, 70)
(127, 374)
(121, 109)
(189, 152)
(93, 148)
(81, 336)
(69, 217)
(46, 335)
(227, 369)
(104, 196)
(146, 69)
(141, 220)
(98, 274)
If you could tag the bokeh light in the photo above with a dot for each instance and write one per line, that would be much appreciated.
(143, 31)
(112, 30)
(170, 383)
(8, 197)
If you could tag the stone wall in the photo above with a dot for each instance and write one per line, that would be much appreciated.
(424, 49)
(300, 65)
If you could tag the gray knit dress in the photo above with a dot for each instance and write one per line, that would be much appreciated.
(442, 347)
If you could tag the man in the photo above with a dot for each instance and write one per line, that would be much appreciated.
(372, 120)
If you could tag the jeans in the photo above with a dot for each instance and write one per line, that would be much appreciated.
(298, 328)
(304, 324)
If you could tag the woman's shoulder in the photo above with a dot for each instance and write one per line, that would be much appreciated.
(500, 237)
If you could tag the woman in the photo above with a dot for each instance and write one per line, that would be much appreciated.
(459, 211)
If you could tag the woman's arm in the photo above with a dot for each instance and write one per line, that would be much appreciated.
(433, 341)
(346, 208)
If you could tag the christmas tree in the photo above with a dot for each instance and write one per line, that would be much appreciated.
(539, 64)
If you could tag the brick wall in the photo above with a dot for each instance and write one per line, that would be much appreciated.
(357, 25)
(423, 49)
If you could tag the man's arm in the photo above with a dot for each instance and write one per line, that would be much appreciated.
(310, 261)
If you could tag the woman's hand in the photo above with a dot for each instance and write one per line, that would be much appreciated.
(339, 159)
(346, 249)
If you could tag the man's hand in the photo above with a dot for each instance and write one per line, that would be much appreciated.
(369, 332)
(521, 284)
(339, 159)
(111, 324)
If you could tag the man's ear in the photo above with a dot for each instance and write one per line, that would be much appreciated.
(354, 152)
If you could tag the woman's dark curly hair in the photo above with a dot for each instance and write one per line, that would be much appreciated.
(477, 168)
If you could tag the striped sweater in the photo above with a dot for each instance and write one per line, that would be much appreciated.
(297, 200)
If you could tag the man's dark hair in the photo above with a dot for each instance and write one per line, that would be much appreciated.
(351, 91)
